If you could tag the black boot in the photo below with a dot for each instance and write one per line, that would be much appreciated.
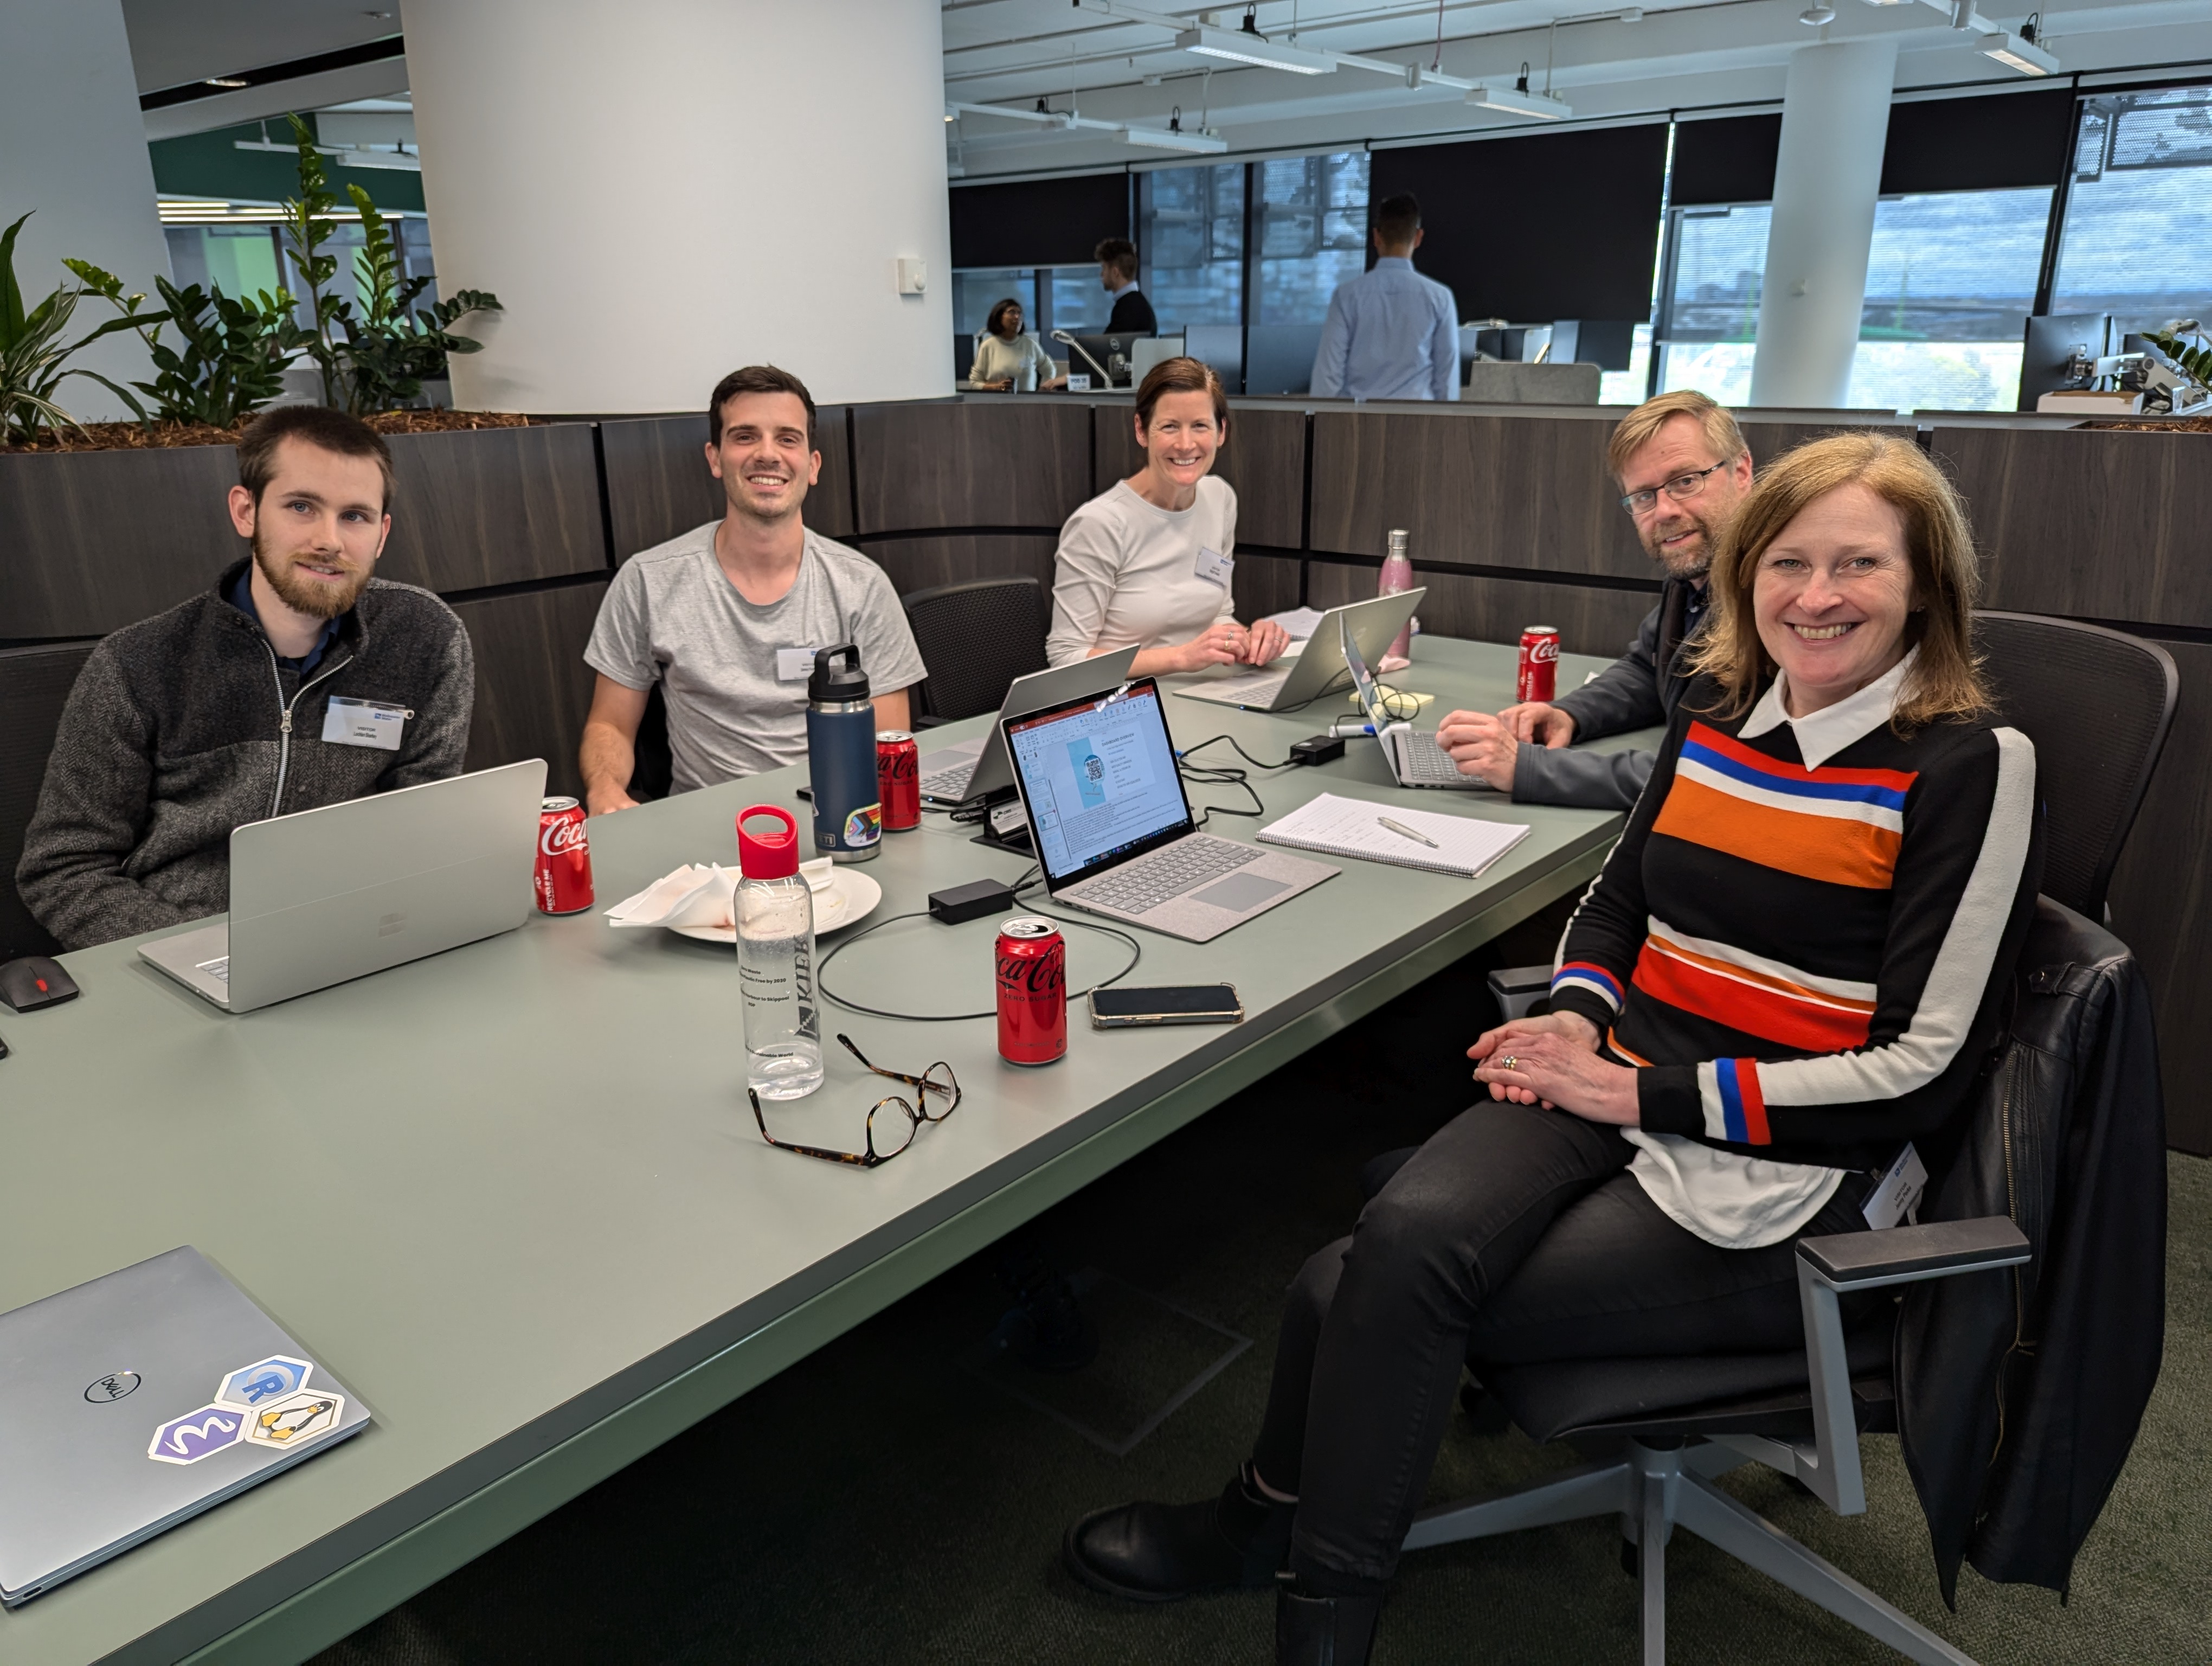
(1155, 1553)
(1322, 1630)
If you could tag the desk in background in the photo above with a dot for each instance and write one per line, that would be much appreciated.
(514, 1195)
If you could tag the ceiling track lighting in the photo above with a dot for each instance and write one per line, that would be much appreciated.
(1247, 45)
(1817, 14)
(2020, 49)
(1518, 101)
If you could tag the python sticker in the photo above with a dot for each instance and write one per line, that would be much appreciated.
(295, 1419)
(257, 1384)
(195, 1435)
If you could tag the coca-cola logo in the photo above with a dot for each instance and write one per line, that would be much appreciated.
(904, 765)
(1033, 976)
(1545, 650)
(562, 836)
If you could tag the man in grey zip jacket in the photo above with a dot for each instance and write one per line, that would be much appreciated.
(1682, 467)
(253, 699)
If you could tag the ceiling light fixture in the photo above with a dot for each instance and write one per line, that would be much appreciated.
(1817, 13)
(2021, 52)
(227, 80)
(1174, 138)
(1242, 46)
(1518, 101)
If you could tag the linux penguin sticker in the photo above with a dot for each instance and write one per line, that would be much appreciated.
(295, 1419)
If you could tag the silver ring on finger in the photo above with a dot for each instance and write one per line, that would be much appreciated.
(1508, 1062)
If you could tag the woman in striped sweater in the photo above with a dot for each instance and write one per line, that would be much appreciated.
(1790, 968)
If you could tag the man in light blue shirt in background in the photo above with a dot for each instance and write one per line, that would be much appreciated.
(1391, 334)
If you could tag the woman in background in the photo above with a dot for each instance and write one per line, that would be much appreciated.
(1149, 561)
(1006, 359)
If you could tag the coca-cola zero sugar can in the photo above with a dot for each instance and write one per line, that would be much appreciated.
(1032, 967)
(564, 858)
(898, 779)
(1539, 679)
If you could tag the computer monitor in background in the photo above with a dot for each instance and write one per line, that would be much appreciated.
(1112, 353)
(2049, 346)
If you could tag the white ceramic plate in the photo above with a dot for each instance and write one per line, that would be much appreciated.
(850, 898)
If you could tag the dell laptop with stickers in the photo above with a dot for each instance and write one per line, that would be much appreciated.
(322, 896)
(1112, 827)
(1319, 667)
(134, 1401)
(978, 768)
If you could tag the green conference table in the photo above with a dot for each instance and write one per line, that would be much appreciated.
(512, 1194)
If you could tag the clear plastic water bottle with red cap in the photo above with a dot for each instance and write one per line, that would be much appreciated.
(775, 912)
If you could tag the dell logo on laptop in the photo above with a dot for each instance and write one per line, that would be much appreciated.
(112, 1386)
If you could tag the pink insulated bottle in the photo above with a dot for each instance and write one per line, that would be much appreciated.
(1398, 578)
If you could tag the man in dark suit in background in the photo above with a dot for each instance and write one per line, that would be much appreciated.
(1132, 314)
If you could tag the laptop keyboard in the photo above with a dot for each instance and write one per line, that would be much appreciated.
(216, 969)
(950, 783)
(1257, 687)
(1166, 874)
(1425, 761)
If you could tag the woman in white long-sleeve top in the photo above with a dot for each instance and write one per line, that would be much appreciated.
(1009, 361)
(1149, 561)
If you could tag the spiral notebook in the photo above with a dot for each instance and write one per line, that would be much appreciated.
(1359, 827)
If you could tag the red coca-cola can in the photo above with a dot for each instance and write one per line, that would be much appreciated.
(898, 779)
(1032, 992)
(564, 858)
(1538, 678)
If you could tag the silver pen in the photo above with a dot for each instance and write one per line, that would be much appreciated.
(1400, 828)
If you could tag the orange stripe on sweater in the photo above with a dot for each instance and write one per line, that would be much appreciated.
(1826, 848)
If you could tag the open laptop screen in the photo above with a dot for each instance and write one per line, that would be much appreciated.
(1363, 680)
(1099, 776)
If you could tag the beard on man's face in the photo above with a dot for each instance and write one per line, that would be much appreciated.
(318, 598)
(1690, 557)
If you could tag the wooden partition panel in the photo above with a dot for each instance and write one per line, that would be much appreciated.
(2161, 899)
(34, 686)
(1589, 618)
(918, 563)
(486, 507)
(1472, 489)
(1768, 440)
(91, 541)
(659, 484)
(1264, 459)
(534, 687)
(1266, 584)
(2103, 524)
(971, 463)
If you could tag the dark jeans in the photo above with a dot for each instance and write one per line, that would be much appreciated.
(1516, 1235)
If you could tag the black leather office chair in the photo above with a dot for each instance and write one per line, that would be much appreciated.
(975, 638)
(2097, 704)
(34, 684)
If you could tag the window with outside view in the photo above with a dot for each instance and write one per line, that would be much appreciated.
(2139, 211)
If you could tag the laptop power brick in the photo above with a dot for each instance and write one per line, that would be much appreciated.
(1318, 749)
(971, 901)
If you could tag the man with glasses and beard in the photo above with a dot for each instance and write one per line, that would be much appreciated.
(1683, 468)
(298, 680)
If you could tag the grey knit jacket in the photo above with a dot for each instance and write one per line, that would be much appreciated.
(183, 726)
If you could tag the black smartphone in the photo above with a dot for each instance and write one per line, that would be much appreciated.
(1180, 1003)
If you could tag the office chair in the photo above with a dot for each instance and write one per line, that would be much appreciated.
(975, 637)
(653, 766)
(34, 685)
(2097, 704)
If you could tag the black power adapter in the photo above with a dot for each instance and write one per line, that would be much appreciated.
(971, 901)
(1318, 749)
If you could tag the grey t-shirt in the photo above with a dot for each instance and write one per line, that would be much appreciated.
(737, 701)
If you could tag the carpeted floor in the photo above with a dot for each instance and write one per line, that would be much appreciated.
(899, 1497)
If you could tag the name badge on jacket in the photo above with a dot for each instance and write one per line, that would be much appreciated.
(374, 723)
(1214, 567)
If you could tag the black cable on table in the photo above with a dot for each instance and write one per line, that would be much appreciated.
(822, 974)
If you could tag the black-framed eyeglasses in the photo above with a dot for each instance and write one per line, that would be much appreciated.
(898, 1131)
(1681, 486)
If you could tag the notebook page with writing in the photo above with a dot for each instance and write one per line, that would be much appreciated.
(1354, 827)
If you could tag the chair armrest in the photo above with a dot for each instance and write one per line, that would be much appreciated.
(1521, 991)
(926, 722)
(1860, 1261)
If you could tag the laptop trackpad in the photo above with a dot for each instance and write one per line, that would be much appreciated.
(1239, 891)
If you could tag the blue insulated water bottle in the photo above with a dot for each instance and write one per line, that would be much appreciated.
(841, 750)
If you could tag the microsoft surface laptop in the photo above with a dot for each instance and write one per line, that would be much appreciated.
(1112, 826)
(978, 768)
(1416, 757)
(137, 1400)
(323, 895)
(1319, 667)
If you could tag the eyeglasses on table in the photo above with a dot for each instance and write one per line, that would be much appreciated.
(898, 1131)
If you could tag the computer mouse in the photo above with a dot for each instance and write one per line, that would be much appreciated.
(34, 982)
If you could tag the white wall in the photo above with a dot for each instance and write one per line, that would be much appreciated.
(662, 190)
(73, 149)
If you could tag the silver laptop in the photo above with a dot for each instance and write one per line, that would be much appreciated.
(140, 1399)
(1112, 826)
(978, 768)
(325, 894)
(1319, 667)
(1416, 757)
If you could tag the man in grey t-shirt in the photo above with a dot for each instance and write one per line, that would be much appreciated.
(726, 618)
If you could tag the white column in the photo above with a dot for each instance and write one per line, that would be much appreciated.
(73, 148)
(1835, 115)
(662, 190)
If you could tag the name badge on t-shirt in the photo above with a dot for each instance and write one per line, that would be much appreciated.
(364, 723)
(1215, 568)
(793, 664)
